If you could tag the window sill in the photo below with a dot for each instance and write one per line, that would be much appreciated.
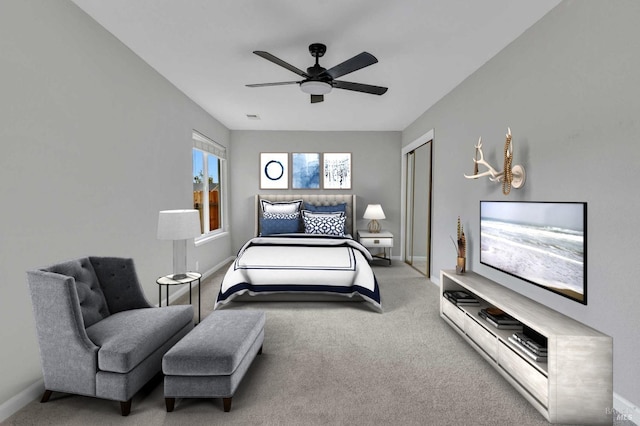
(212, 236)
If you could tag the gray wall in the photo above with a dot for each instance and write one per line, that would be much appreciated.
(570, 92)
(375, 168)
(94, 144)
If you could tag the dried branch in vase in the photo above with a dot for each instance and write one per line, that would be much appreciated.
(462, 245)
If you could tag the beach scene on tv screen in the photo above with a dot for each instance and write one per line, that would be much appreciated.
(540, 242)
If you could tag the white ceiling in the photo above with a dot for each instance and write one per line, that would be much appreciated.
(425, 48)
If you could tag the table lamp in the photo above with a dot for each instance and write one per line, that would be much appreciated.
(179, 225)
(374, 212)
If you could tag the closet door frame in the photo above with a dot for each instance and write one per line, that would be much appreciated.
(426, 138)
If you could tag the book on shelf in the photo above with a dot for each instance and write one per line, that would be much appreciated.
(459, 294)
(529, 343)
(467, 302)
(501, 326)
(461, 297)
(463, 302)
(528, 352)
(496, 316)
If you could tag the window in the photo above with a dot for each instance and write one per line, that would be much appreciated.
(208, 178)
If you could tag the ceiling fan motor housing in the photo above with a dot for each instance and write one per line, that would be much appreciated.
(315, 71)
(317, 50)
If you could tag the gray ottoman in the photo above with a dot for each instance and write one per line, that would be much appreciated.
(212, 359)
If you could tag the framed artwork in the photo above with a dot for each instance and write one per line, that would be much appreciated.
(274, 170)
(305, 169)
(336, 170)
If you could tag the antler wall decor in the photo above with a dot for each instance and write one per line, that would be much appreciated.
(509, 176)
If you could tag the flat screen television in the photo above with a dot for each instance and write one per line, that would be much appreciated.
(543, 243)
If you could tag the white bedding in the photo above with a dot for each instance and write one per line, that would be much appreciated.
(301, 263)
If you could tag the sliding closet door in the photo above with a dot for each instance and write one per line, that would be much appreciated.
(409, 211)
(418, 209)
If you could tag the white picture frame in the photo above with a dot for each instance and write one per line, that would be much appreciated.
(274, 170)
(305, 170)
(336, 170)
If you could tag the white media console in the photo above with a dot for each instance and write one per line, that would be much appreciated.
(575, 385)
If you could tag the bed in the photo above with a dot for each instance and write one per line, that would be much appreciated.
(303, 251)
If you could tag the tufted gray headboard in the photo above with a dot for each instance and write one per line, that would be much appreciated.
(316, 199)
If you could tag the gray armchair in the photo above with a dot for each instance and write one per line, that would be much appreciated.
(98, 334)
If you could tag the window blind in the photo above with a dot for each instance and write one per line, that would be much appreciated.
(205, 144)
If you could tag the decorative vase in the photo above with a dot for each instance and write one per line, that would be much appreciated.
(461, 265)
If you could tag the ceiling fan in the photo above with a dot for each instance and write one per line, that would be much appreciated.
(319, 81)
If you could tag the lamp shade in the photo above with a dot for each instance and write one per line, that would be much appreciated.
(178, 224)
(374, 211)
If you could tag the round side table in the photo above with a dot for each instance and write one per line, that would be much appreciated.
(169, 280)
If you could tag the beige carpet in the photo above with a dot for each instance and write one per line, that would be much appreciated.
(334, 363)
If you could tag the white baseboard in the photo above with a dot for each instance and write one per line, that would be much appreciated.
(20, 400)
(625, 410)
(35, 391)
(217, 267)
(184, 289)
(420, 258)
(435, 279)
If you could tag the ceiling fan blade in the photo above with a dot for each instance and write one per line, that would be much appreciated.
(359, 87)
(282, 83)
(362, 60)
(269, 57)
(317, 98)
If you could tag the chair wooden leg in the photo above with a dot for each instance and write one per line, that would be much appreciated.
(125, 407)
(170, 403)
(46, 395)
(226, 402)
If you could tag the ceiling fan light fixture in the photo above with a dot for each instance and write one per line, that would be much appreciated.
(315, 87)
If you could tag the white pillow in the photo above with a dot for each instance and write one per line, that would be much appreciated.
(310, 213)
(284, 207)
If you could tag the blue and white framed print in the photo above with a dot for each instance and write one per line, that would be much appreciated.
(337, 170)
(274, 170)
(305, 169)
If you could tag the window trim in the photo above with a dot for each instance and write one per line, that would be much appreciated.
(205, 144)
(211, 236)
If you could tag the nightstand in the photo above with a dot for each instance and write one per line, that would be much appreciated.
(372, 240)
